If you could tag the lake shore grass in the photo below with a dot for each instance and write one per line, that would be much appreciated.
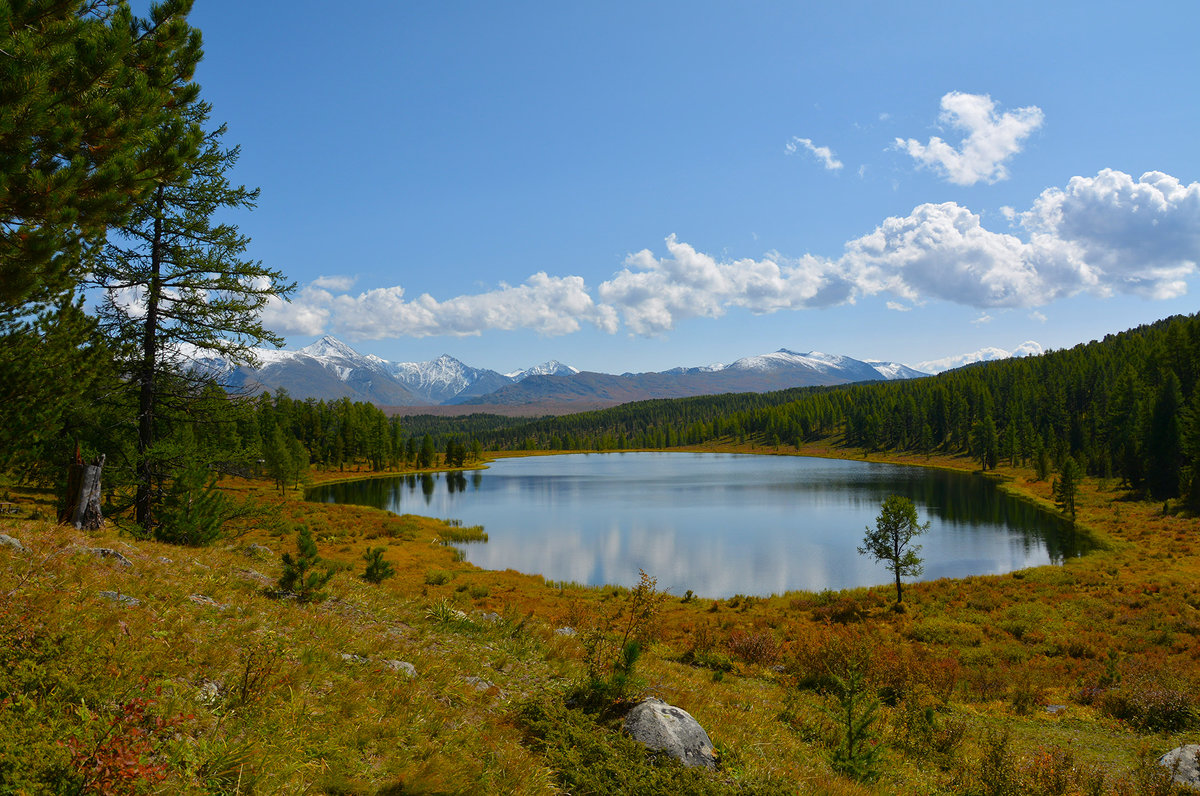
(1056, 679)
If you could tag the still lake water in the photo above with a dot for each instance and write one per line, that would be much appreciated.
(718, 524)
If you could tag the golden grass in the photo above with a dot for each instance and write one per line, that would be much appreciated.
(289, 697)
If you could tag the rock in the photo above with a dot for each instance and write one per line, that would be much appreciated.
(490, 618)
(258, 551)
(107, 552)
(657, 725)
(210, 691)
(117, 597)
(479, 684)
(565, 631)
(8, 541)
(1184, 764)
(403, 667)
(200, 599)
(255, 577)
(349, 658)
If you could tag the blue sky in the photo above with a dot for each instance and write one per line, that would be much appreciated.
(636, 186)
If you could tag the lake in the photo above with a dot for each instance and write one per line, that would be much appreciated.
(718, 524)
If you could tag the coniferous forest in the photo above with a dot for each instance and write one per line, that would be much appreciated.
(1125, 407)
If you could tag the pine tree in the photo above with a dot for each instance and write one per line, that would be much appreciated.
(1065, 487)
(175, 281)
(88, 94)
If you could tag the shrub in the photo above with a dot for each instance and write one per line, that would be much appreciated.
(437, 577)
(299, 574)
(758, 647)
(378, 570)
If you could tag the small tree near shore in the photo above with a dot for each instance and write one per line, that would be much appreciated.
(890, 541)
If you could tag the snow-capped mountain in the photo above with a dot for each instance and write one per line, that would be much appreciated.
(330, 369)
(1030, 348)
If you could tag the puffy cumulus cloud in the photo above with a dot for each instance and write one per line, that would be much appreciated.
(943, 251)
(989, 139)
(548, 305)
(653, 293)
(1137, 236)
(1104, 234)
(307, 313)
(822, 153)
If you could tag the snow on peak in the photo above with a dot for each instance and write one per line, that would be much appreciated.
(987, 354)
(329, 346)
(551, 368)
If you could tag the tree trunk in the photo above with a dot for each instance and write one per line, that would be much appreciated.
(143, 499)
(83, 496)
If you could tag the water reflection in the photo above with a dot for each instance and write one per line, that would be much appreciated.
(719, 524)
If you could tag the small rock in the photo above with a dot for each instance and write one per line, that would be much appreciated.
(165, 560)
(210, 691)
(106, 552)
(120, 598)
(8, 541)
(565, 631)
(401, 666)
(258, 551)
(1184, 764)
(491, 618)
(657, 725)
(353, 658)
(252, 575)
(1055, 709)
(200, 599)
(479, 684)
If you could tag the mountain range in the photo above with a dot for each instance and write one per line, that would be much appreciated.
(329, 369)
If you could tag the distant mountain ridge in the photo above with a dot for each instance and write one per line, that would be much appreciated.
(330, 369)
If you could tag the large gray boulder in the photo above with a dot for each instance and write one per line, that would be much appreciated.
(1184, 764)
(657, 725)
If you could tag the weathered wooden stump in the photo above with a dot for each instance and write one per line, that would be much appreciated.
(83, 495)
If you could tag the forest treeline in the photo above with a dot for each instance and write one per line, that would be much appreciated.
(1125, 406)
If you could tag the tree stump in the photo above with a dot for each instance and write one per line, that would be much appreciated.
(83, 495)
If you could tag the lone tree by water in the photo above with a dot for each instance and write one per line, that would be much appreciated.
(890, 540)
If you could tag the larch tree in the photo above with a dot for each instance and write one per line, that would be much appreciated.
(175, 282)
(890, 541)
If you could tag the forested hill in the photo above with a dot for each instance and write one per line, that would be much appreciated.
(1124, 406)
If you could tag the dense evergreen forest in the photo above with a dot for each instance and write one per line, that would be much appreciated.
(1125, 406)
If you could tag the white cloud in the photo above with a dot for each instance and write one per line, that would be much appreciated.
(336, 282)
(1028, 348)
(982, 319)
(548, 305)
(1140, 237)
(652, 293)
(989, 139)
(1101, 235)
(1040, 317)
(896, 306)
(822, 153)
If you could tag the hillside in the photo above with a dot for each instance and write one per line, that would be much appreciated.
(180, 673)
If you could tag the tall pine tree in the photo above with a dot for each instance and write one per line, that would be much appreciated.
(176, 282)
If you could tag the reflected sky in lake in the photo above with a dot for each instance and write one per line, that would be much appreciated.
(718, 524)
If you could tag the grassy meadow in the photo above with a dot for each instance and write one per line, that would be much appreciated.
(184, 670)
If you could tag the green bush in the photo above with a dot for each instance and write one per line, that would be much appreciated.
(437, 577)
(378, 570)
(300, 576)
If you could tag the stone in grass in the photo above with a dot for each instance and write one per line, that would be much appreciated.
(8, 541)
(116, 557)
(1184, 764)
(404, 667)
(666, 728)
(117, 597)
